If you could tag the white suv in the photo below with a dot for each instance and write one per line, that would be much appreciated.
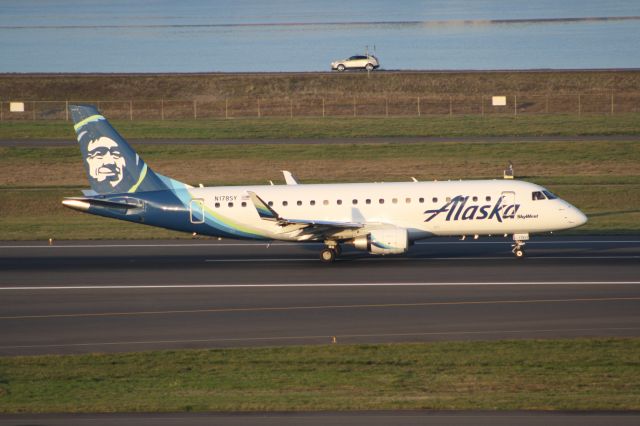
(367, 62)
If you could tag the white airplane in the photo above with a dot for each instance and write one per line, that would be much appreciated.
(380, 218)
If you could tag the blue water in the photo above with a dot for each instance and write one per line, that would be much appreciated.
(288, 35)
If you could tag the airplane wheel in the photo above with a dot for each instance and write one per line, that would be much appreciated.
(369, 67)
(341, 68)
(327, 255)
(519, 253)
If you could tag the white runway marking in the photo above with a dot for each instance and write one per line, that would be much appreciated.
(221, 310)
(312, 285)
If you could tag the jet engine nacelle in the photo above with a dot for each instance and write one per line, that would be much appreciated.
(384, 241)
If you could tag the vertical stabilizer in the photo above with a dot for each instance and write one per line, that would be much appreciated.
(111, 164)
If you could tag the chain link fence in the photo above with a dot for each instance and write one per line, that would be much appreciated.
(318, 106)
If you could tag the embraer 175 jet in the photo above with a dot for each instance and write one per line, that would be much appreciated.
(381, 218)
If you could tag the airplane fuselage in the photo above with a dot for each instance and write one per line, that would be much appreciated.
(425, 209)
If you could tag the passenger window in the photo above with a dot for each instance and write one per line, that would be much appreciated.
(354, 201)
(325, 202)
(488, 198)
(217, 205)
(284, 203)
(381, 200)
(475, 198)
(421, 200)
(244, 204)
(312, 202)
(299, 203)
(270, 203)
(407, 200)
(434, 199)
(448, 199)
(368, 201)
(537, 195)
(394, 200)
(339, 202)
(230, 204)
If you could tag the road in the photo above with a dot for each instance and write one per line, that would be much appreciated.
(76, 297)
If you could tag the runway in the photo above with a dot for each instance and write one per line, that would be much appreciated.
(406, 418)
(118, 296)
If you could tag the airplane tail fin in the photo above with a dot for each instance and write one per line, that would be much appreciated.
(111, 164)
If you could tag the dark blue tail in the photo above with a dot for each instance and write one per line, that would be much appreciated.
(111, 164)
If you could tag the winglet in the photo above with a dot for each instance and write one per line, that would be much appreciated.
(289, 178)
(264, 211)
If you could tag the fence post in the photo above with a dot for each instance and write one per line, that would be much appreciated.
(33, 106)
(66, 110)
(612, 104)
(291, 107)
(195, 110)
(419, 106)
(386, 106)
(546, 109)
(579, 105)
(323, 112)
(1, 112)
(130, 110)
(450, 107)
(482, 105)
(162, 109)
(259, 115)
(226, 108)
(515, 105)
(354, 107)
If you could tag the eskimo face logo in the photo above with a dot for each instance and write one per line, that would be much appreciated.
(105, 160)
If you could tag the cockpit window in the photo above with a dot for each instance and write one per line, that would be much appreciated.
(537, 195)
(550, 195)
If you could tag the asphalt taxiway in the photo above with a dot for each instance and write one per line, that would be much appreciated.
(117, 296)
(406, 418)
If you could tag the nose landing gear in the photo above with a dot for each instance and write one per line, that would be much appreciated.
(517, 250)
(518, 244)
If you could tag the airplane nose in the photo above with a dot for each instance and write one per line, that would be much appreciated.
(577, 218)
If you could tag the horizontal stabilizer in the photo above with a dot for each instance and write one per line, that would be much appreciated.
(83, 204)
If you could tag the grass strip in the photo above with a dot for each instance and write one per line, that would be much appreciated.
(576, 374)
(337, 127)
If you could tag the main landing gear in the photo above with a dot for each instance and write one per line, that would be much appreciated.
(330, 252)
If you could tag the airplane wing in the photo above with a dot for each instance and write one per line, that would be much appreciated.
(267, 213)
